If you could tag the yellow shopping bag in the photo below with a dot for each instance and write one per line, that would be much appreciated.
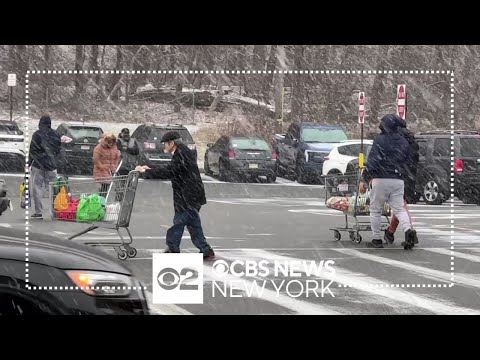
(61, 200)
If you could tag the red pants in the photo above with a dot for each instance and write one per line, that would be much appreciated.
(394, 222)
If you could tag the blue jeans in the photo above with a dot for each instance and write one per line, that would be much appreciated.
(191, 219)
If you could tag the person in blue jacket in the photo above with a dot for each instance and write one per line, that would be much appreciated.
(385, 172)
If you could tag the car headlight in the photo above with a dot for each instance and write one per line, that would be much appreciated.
(99, 283)
(192, 146)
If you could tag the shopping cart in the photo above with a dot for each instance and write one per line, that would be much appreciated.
(117, 207)
(347, 187)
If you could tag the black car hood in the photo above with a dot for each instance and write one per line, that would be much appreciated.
(56, 252)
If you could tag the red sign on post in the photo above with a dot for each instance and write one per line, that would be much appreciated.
(361, 108)
(401, 100)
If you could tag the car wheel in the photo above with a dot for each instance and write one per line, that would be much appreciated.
(271, 178)
(431, 191)
(334, 172)
(468, 198)
(206, 167)
(301, 177)
(278, 169)
(223, 172)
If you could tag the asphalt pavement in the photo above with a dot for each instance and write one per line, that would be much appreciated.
(287, 221)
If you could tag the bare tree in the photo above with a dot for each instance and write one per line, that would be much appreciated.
(47, 80)
(79, 78)
(94, 66)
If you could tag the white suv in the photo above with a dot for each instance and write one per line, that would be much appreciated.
(12, 147)
(342, 154)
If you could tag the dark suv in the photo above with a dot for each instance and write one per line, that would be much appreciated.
(149, 138)
(434, 168)
(301, 151)
(80, 141)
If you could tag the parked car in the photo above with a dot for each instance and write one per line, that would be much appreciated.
(4, 200)
(81, 140)
(301, 151)
(339, 160)
(12, 147)
(58, 264)
(149, 138)
(434, 168)
(245, 156)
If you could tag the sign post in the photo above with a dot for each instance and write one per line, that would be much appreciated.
(12, 81)
(402, 101)
(361, 121)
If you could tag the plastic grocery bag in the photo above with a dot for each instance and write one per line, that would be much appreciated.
(59, 183)
(61, 200)
(338, 203)
(91, 208)
(112, 211)
(23, 196)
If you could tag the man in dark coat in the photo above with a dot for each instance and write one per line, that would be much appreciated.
(43, 157)
(385, 171)
(410, 179)
(129, 151)
(188, 196)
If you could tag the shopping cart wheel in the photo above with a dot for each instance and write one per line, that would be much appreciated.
(132, 252)
(336, 235)
(356, 237)
(123, 255)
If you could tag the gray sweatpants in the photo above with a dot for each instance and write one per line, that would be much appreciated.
(39, 181)
(387, 191)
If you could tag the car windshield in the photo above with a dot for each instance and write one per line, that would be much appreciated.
(85, 131)
(470, 147)
(9, 129)
(250, 144)
(323, 135)
(157, 134)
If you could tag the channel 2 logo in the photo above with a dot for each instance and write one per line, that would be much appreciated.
(177, 278)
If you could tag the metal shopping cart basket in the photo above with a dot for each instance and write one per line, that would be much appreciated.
(117, 207)
(344, 190)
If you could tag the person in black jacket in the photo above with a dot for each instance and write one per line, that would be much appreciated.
(410, 179)
(188, 196)
(385, 172)
(43, 156)
(129, 151)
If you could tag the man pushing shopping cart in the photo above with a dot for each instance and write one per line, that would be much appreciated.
(385, 172)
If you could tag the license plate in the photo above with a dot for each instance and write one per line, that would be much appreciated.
(85, 147)
(343, 187)
(253, 166)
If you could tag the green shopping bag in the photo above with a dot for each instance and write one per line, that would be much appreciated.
(90, 208)
(58, 183)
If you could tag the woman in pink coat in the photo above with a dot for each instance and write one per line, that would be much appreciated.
(106, 158)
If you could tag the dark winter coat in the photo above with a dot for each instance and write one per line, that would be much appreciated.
(45, 146)
(389, 153)
(187, 185)
(129, 152)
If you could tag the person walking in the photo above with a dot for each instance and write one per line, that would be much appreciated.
(129, 151)
(106, 158)
(188, 196)
(43, 157)
(385, 174)
(410, 181)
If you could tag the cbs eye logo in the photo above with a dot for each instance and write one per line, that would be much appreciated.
(170, 279)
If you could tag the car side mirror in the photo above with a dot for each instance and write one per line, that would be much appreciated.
(295, 142)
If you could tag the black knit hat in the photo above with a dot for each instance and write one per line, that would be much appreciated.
(170, 136)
